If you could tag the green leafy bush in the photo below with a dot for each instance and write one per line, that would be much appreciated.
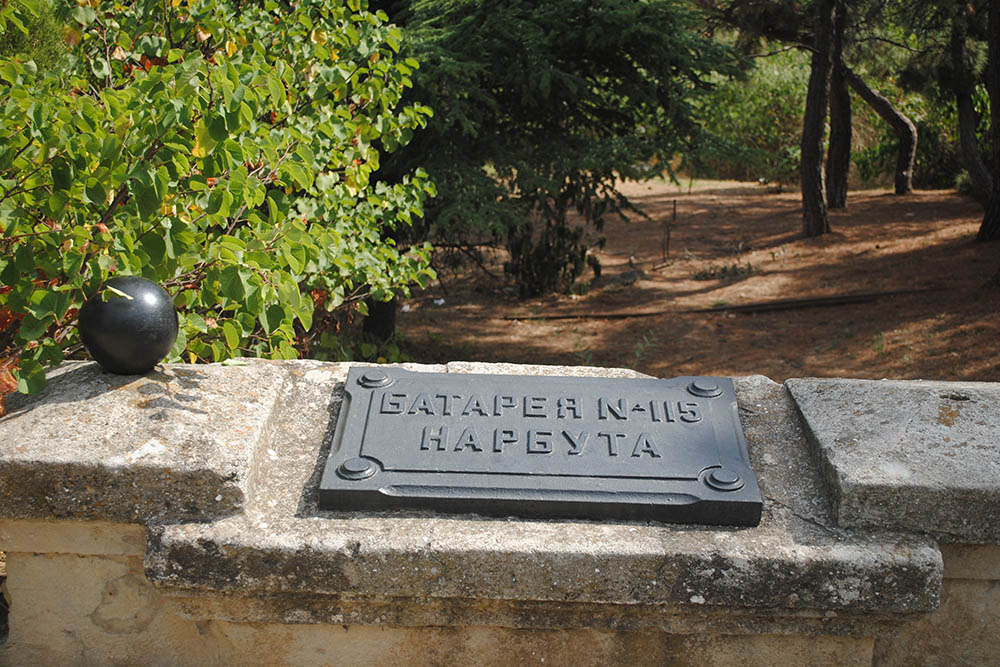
(734, 271)
(222, 149)
(937, 162)
(754, 124)
(36, 32)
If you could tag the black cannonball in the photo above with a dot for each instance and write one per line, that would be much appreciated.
(125, 335)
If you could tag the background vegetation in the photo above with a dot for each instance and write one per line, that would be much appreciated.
(272, 164)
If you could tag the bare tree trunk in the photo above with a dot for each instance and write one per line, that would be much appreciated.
(962, 85)
(838, 155)
(815, 220)
(990, 229)
(380, 323)
(904, 127)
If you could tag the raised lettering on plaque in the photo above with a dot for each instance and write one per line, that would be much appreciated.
(668, 450)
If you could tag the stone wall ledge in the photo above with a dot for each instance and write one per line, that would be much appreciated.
(798, 560)
(175, 514)
(180, 443)
(913, 456)
(525, 614)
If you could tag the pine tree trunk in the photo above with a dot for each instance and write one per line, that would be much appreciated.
(838, 155)
(815, 220)
(380, 322)
(904, 127)
(990, 229)
(962, 85)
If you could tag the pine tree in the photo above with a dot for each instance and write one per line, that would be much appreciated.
(540, 110)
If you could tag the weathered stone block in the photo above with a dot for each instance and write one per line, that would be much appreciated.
(372, 645)
(962, 632)
(797, 559)
(915, 456)
(264, 576)
(179, 443)
(972, 561)
(72, 537)
(64, 607)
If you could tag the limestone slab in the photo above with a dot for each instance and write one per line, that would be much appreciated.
(43, 536)
(797, 559)
(962, 632)
(971, 561)
(179, 443)
(916, 456)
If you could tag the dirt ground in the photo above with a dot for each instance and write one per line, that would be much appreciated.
(949, 330)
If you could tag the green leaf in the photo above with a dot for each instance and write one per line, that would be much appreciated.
(287, 351)
(220, 202)
(161, 182)
(299, 175)
(62, 177)
(231, 334)
(55, 302)
(83, 14)
(155, 246)
(217, 129)
(204, 142)
(32, 328)
(273, 214)
(110, 149)
(72, 262)
(305, 313)
(306, 154)
(271, 318)
(145, 197)
(276, 90)
(109, 292)
(197, 322)
(96, 194)
(295, 255)
(24, 259)
(30, 376)
(231, 283)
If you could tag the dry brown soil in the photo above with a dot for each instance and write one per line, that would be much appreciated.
(880, 243)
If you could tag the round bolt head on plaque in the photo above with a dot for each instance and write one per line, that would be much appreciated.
(357, 468)
(724, 480)
(705, 387)
(128, 334)
(375, 378)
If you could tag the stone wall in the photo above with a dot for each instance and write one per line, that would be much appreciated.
(172, 519)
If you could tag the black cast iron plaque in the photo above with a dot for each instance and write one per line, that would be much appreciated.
(669, 450)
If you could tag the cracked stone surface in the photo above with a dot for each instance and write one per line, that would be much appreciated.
(914, 456)
(364, 565)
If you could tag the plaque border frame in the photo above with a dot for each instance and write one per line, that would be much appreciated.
(546, 496)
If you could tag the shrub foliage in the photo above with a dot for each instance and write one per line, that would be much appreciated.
(755, 124)
(223, 149)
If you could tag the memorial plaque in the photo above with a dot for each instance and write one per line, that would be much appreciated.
(669, 450)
